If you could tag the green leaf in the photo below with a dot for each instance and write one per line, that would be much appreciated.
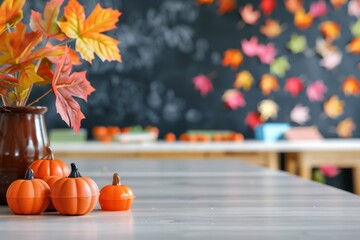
(297, 43)
(279, 66)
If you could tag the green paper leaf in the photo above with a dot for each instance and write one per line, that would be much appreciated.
(297, 43)
(279, 66)
(355, 28)
(318, 176)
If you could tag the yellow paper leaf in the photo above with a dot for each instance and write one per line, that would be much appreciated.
(268, 109)
(333, 107)
(27, 78)
(268, 84)
(345, 128)
(244, 80)
(88, 32)
(10, 12)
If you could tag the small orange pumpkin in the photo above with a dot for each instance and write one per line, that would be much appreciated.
(48, 166)
(116, 197)
(170, 137)
(28, 195)
(75, 194)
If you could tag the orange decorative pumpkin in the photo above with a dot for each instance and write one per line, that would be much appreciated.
(49, 167)
(74, 195)
(116, 197)
(170, 137)
(50, 180)
(28, 195)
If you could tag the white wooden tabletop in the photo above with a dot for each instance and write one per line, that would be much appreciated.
(246, 146)
(202, 199)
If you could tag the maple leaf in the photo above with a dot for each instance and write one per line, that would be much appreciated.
(66, 87)
(294, 86)
(48, 24)
(268, 109)
(88, 32)
(279, 66)
(266, 53)
(354, 46)
(330, 30)
(271, 28)
(267, 6)
(203, 2)
(268, 83)
(318, 9)
(297, 43)
(355, 28)
(333, 107)
(226, 6)
(10, 13)
(233, 58)
(253, 119)
(249, 15)
(7, 81)
(316, 91)
(345, 128)
(302, 19)
(354, 8)
(294, 5)
(331, 59)
(300, 114)
(244, 80)
(250, 47)
(338, 3)
(233, 99)
(28, 77)
(351, 86)
(203, 84)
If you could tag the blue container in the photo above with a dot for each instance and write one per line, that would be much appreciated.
(271, 132)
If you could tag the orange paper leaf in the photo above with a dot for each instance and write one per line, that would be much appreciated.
(294, 5)
(202, 2)
(354, 46)
(226, 6)
(10, 12)
(330, 30)
(88, 32)
(345, 128)
(338, 3)
(333, 107)
(268, 84)
(302, 19)
(232, 58)
(271, 28)
(351, 86)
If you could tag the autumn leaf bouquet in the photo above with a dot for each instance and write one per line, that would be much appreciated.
(41, 53)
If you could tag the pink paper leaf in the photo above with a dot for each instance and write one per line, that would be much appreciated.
(203, 84)
(329, 170)
(354, 8)
(266, 53)
(300, 114)
(318, 9)
(250, 47)
(233, 99)
(316, 91)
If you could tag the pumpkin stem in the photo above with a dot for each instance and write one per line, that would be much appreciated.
(116, 179)
(29, 175)
(74, 171)
(49, 154)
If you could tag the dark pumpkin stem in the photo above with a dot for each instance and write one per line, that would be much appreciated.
(29, 175)
(116, 179)
(74, 171)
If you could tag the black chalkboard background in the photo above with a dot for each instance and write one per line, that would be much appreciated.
(165, 43)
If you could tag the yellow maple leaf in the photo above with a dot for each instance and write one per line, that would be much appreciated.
(28, 77)
(268, 83)
(333, 107)
(10, 13)
(244, 80)
(268, 109)
(88, 32)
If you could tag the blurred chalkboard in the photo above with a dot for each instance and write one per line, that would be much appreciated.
(165, 43)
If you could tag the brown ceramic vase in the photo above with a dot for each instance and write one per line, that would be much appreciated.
(23, 139)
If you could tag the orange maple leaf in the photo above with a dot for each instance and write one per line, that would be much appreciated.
(302, 19)
(268, 84)
(271, 28)
(351, 86)
(330, 30)
(88, 32)
(66, 87)
(338, 3)
(354, 45)
(294, 5)
(201, 2)
(233, 58)
(10, 12)
(226, 6)
(345, 128)
(48, 24)
(333, 107)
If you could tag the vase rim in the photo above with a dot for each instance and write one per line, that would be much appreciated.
(24, 109)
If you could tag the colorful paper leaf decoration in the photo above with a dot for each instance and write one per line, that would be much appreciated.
(294, 86)
(330, 30)
(303, 20)
(250, 47)
(268, 109)
(271, 28)
(316, 91)
(279, 66)
(318, 9)
(253, 119)
(354, 8)
(47, 23)
(338, 3)
(268, 84)
(300, 114)
(354, 46)
(249, 15)
(232, 58)
(294, 5)
(66, 87)
(233, 99)
(267, 6)
(324, 47)
(244, 80)
(333, 107)
(203, 84)
(355, 28)
(329, 170)
(351, 86)
(297, 43)
(226, 6)
(345, 128)
(204, 2)
(331, 60)
(10, 13)
(266, 53)
(88, 32)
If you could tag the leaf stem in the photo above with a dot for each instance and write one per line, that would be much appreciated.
(39, 98)
(66, 42)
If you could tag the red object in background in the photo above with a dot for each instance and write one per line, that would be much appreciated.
(253, 119)
(267, 6)
(329, 170)
(294, 86)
